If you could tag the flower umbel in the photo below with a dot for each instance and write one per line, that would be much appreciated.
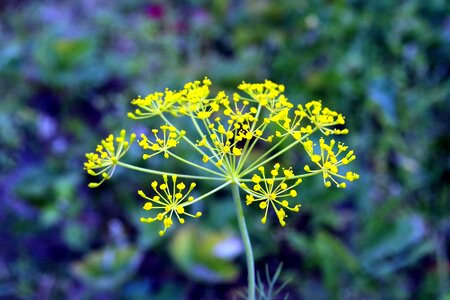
(273, 192)
(225, 133)
(108, 153)
(328, 163)
(154, 104)
(171, 199)
(169, 139)
(323, 117)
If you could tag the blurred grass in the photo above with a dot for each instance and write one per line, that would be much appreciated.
(69, 69)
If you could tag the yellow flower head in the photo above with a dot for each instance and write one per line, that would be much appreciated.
(329, 161)
(194, 100)
(164, 140)
(268, 94)
(106, 156)
(170, 199)
(235, 125)
(154, 104)
(273, 191)
(322, 117)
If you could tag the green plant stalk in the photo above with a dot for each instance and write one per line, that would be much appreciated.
(156, 172)
(246, 241)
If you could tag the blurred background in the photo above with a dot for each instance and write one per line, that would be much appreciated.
(68, 70)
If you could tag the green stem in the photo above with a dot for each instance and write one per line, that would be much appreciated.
(184, 136)
(201, 134)
(207, 194)
(245, 151)
(258, 162)
(284, 178)
(246, 240)
(194, 165)
(155, 172)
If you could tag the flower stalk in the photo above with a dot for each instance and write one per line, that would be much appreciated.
(246, 241)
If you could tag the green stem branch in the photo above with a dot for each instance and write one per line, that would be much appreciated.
(155, 172)
(193, 164)
(246, 241)
(258, 162)
(207, 194)
(284, 178)
(184, 136)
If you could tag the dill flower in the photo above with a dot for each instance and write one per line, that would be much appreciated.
(268, 192)
(328, 163)
(153, 104)
(170, 200)
(323, 117)
(169, 139)
(268, 94)
(106, 156)
(226, 132)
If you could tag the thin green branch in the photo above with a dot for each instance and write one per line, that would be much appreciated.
(155, 172)
(257, 164)
(245, 150)
(184, 136)
(207, 194)
(193, 164)
(284, 178)
(246, 241)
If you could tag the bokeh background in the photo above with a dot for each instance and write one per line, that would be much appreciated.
(68, 70)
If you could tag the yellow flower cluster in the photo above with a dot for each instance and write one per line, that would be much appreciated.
(273, 192)
(231, 136)
(153, 104)
(268, 94)
(191, 100)
(228, 133)
(328, 163)
(169, 139)
(323, 117)
(108, 153)
(171, 200)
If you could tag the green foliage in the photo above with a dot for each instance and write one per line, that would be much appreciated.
(268, 290)
(397, 245)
